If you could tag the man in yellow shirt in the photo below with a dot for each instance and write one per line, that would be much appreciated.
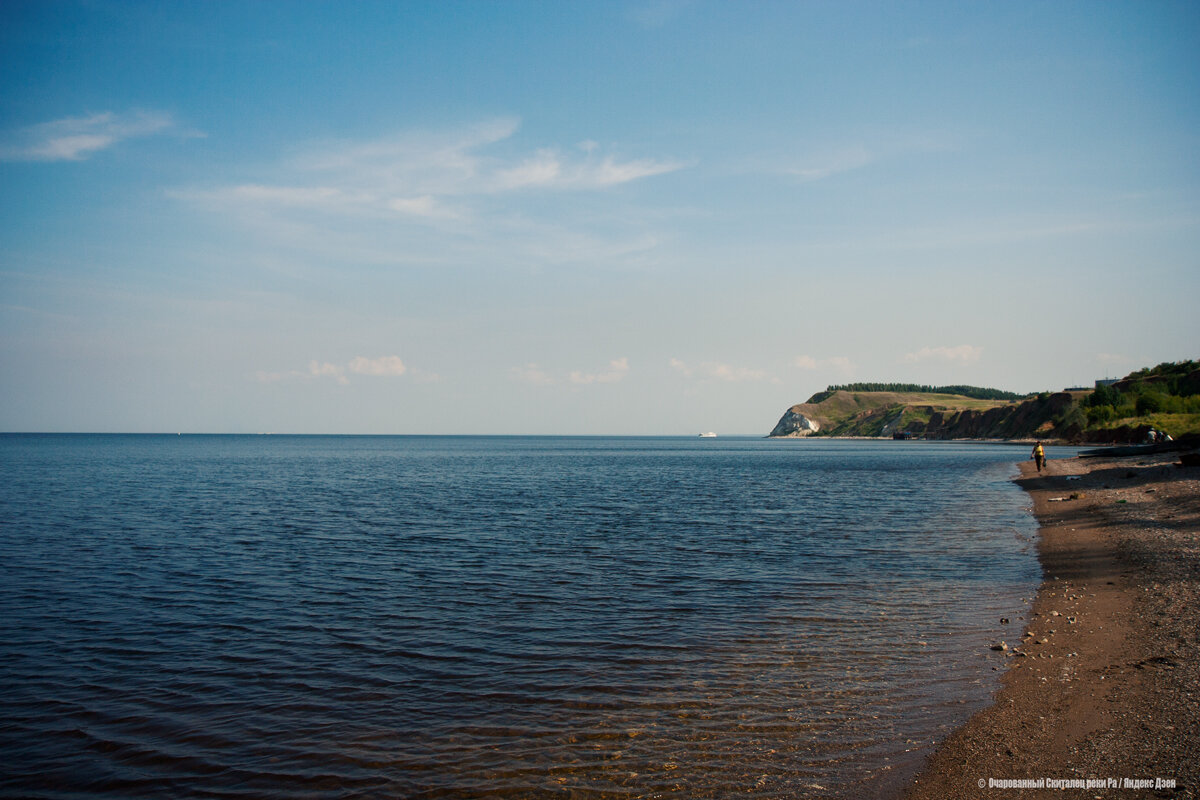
(1039, 455)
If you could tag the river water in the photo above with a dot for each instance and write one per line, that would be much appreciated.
(247, 616)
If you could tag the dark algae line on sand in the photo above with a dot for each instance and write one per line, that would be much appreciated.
(499, 617)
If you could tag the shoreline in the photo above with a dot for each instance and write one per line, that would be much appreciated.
(1103, 681)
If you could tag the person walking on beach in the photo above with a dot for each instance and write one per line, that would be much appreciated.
(1039, 456)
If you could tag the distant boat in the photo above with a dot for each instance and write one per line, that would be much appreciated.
(709, 435)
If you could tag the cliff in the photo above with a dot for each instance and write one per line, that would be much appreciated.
(930, 415)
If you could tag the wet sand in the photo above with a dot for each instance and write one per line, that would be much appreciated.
(1104, 677)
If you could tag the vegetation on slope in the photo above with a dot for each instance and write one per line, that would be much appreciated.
(1163, 398)
(1166, 397)
(879, 413)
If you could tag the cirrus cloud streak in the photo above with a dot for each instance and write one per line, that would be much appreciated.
(423, 174)
(78, 138)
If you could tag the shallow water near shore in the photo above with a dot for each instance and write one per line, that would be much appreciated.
(499, 617)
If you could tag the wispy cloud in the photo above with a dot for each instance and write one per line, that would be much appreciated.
(824, 165)
(424, 206)
(466, 196)
(78, 138)
(961, 354)
(551, 169)
(327, 370)
(432, 175)
(311, 196)
(360, 365)
(533, 374)
(384, 365)
(713, 370)
(836, 363)
(617, 369)
(850, 151)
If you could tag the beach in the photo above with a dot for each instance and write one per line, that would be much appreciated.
(1101, 697)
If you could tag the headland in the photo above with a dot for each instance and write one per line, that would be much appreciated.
(1148, 405)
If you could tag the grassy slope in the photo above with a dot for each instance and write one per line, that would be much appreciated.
(843, 404)
(843, 409)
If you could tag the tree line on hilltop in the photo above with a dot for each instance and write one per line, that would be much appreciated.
(975, 392)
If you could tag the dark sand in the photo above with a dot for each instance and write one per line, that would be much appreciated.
(1104, 680)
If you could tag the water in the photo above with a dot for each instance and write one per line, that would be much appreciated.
(496, 617)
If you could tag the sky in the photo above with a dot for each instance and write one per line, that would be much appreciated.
(632, 217)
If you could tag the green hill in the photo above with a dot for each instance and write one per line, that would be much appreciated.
(1163, 398)
(858, 413)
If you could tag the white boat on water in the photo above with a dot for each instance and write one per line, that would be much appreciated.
(709, 435)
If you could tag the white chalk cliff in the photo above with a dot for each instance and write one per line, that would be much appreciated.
(793, 423)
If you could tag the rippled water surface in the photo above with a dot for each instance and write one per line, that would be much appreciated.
(496, 617)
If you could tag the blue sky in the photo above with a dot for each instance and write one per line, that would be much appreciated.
(582, 218)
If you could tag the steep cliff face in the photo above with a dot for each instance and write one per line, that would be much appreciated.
(794, 423)
(1027, 419)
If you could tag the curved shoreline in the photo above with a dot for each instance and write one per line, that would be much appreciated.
(1104, 681)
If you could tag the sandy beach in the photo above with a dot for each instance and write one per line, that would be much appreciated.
(1103, 680)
